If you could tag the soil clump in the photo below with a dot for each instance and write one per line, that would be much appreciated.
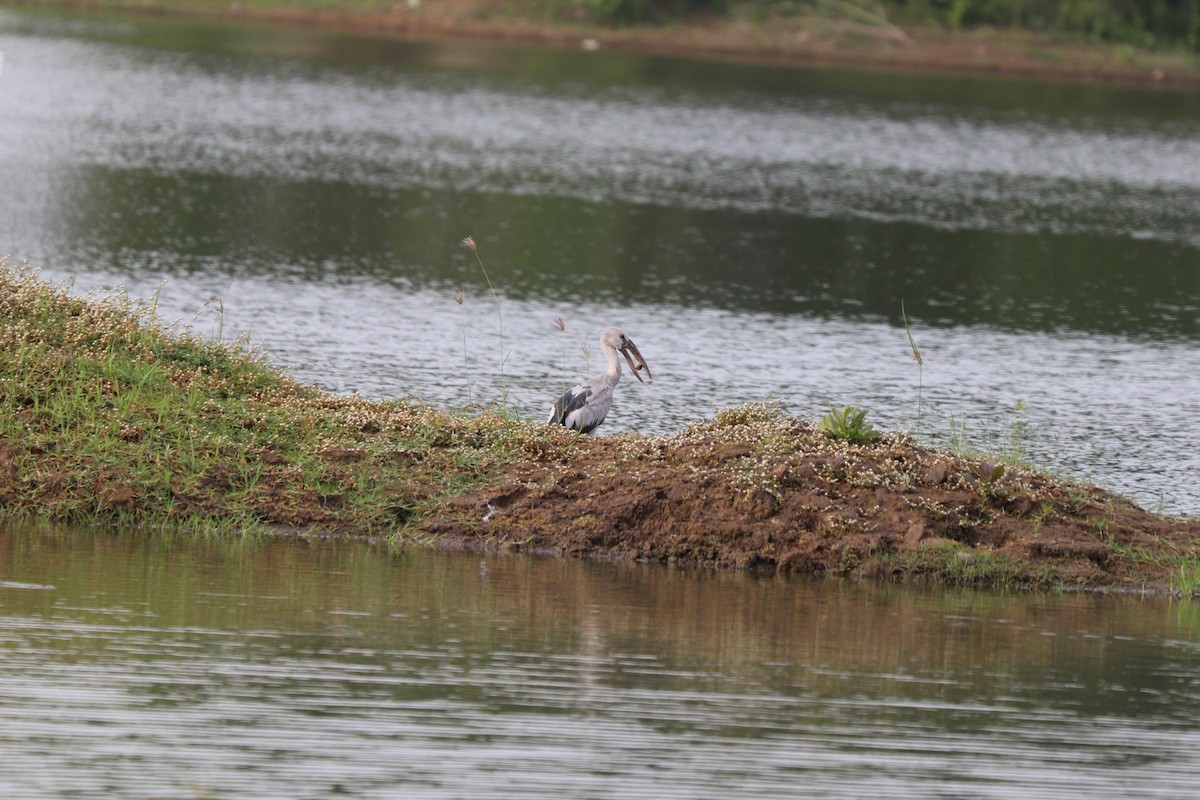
(760, 490)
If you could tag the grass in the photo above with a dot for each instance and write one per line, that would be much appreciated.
(1006, 447)
(951, 564)
(111, 418)
(1009, 448)
(1187, 580)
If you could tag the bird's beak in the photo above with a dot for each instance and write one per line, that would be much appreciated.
(636, 368)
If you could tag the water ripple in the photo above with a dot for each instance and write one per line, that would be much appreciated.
(158, 111)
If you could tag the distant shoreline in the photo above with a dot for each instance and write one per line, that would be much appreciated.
(987, 52)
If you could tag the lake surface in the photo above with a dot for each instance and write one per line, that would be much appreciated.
(755, 230)
(162, 666)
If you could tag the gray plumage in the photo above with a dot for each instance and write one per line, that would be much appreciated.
(584, 407)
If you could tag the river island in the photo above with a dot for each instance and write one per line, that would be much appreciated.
(112, 418)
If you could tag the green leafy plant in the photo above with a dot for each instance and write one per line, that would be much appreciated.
(988, 471)
(850, 425)
(989, 474)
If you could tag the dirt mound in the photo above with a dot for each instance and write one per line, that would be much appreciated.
(757, 489)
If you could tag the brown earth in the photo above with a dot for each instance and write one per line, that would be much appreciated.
(800, 40)
(758, 490)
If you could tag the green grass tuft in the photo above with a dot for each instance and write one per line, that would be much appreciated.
(1186, 582)
(951, 564)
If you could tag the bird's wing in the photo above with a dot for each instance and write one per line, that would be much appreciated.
(593, 410)
(583, 407)
(571, 401)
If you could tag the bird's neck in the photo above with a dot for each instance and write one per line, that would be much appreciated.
(614, 365)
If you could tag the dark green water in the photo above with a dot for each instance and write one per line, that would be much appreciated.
(143, 665)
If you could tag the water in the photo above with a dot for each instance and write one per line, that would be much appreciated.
(754, 229)
(141, 666)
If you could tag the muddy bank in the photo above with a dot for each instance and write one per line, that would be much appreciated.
(797, 40)
(755, 489)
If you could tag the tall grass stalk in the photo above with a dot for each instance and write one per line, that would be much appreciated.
(469, 242)
(916, 355)
(153, 309)
(214, 304)
(559, 324)
(462, 312)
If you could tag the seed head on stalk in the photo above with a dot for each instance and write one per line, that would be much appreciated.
(469, 243)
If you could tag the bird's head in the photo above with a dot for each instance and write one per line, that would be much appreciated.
(616, 338)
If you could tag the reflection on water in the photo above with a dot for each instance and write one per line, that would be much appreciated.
(161, 666)
(755, 229)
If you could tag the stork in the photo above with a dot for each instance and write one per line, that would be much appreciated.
(585, 406)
